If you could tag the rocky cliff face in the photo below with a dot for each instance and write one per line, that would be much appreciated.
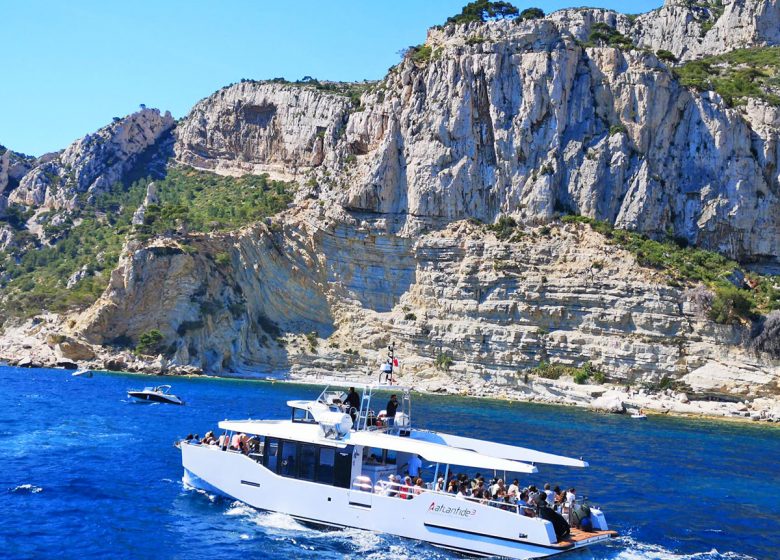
(497, 308)
(385, 243)
(691, 29)
(253, 127)
(93, 163)
(518, 120)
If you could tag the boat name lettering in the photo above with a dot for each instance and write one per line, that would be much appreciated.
(447, 510)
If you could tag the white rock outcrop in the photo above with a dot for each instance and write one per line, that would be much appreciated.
(93, 163)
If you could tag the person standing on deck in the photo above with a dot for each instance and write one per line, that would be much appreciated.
(414, 465)
(391, 408)
(353, 403)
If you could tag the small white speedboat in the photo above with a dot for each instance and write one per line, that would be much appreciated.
(82, 372)
(159, 394)
(639, 416)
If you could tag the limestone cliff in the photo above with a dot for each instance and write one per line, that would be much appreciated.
(386, 239)
(92, 163)
(518, 119)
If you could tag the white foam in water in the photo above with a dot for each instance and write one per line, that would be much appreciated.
(267, 520)
(633, 550)
(26, 489)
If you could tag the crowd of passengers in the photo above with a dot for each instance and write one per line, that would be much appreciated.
(524, 501)
(239, 442)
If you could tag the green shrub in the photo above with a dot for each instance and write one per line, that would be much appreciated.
(617, 129)
(421, 54)
(483, 10)
(150, 342)
(580, 377)
(729, 305)
(531, 13)
(666, 56)
(736, 76)
(312, 339)
(475, 40)
(444, 361)
(504, 228)
(604, 35)
(410, 317)
(222, 259)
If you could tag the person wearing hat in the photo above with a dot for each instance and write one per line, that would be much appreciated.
(391, 408)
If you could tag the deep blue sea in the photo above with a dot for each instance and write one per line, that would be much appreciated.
(84, 473)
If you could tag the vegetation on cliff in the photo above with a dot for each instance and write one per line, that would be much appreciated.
(737, 75)
(736, 295)
(71, 269)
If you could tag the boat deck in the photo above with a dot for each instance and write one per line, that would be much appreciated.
(578, 537)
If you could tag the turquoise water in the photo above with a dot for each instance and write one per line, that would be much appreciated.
(86, 474)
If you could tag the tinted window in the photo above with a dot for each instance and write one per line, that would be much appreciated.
(307, 461)
(271, 454)
(326, 464)
(288, 452)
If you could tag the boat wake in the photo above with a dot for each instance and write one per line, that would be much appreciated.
(26, 489)
(630, 549)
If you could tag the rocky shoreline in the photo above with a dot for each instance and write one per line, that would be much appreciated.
(30, 346)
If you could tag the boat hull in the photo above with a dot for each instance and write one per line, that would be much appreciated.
(146, 397)
(439, 519)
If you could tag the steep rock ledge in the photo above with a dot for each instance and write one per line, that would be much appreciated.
(497, 308)
(93, 163)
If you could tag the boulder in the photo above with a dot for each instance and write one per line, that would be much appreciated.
(611, 403)
(73, 350)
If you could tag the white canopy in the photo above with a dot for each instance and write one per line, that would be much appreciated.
(437, 452)
(497, 449)
(282, 429)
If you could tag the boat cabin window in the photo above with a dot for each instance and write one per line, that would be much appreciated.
(377, 456)
(270, 459)
(307, 461)
(326, 463)
(301, 415)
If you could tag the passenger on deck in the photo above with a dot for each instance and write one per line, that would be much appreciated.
(439, 486)
(414, 465)
(463, 492)
(560, 497)
(452, 487)
(223, 442)
(418, 486)
(549, 495)
(235, 442)
(571, 498)
(523, 507)
(499, 487)
(391, 408)
(353, 403)
(514, 488)
(208, 439)
(475, 481)
(391, 488)
(195, 440)
(405, 492)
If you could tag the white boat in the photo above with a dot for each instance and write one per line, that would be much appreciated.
(159, 394)
(324, 468)
(82, 372)
(639, 416)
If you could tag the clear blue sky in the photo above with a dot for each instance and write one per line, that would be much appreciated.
(68, 67)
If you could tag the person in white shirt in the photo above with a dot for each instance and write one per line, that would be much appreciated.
(514, 488)
(571, 497)
(550, 495)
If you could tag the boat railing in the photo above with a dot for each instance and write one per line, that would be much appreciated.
(409, 492)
